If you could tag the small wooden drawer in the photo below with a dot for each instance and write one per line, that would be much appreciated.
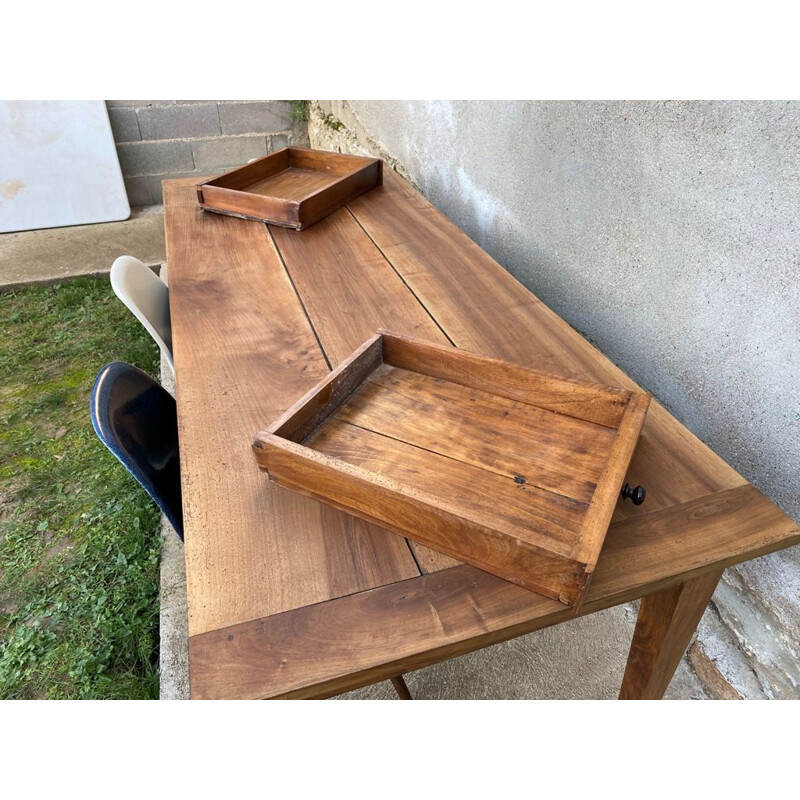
(294, 187)
(511, 470)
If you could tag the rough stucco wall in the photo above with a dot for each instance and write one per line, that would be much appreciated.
(666, 233)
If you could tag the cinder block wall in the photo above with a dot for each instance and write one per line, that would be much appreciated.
(158, 139)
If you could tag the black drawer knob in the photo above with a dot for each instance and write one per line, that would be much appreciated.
(636, 494)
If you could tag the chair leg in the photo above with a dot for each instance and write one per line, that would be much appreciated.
(401, 688)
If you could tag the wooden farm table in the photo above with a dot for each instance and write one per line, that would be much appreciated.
(291, 598)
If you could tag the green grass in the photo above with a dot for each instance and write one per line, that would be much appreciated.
(79, 539)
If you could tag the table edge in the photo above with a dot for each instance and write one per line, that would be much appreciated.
(453, 611)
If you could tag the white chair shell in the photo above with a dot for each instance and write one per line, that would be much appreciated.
(147, 297)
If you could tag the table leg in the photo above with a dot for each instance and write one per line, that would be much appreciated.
(667, 620)
(400, 687)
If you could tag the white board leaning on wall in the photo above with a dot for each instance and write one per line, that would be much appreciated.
(58, 165)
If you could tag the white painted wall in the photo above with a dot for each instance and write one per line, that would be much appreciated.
(58, 165)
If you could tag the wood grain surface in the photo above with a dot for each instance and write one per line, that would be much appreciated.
(293, 187)
(320, 650)
(481, 307)
(348, 288)
(318, 601)
(292, 183)
(664, 628)
(593, 402)
(489, 431)
(409, 453)
(242, 357)
(350, 291)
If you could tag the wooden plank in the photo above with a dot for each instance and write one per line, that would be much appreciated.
(435, 522)
(514, 439)
(348, 288)
(332, 647)
(543, 518)
(293, 183)
(600, 404)
(256, 171)
(370, 636)
(328, 161)
(303, 417)
(350, 291)
(249, 205)
(322, 202)
(483, 308)
(607, 494)
(243, 352)
(666, 623)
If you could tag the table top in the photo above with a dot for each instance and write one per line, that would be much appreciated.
(289, 597)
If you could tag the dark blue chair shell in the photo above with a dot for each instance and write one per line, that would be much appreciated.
(136, 419)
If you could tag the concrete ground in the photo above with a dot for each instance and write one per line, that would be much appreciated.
(55, 253)
(581, 659)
